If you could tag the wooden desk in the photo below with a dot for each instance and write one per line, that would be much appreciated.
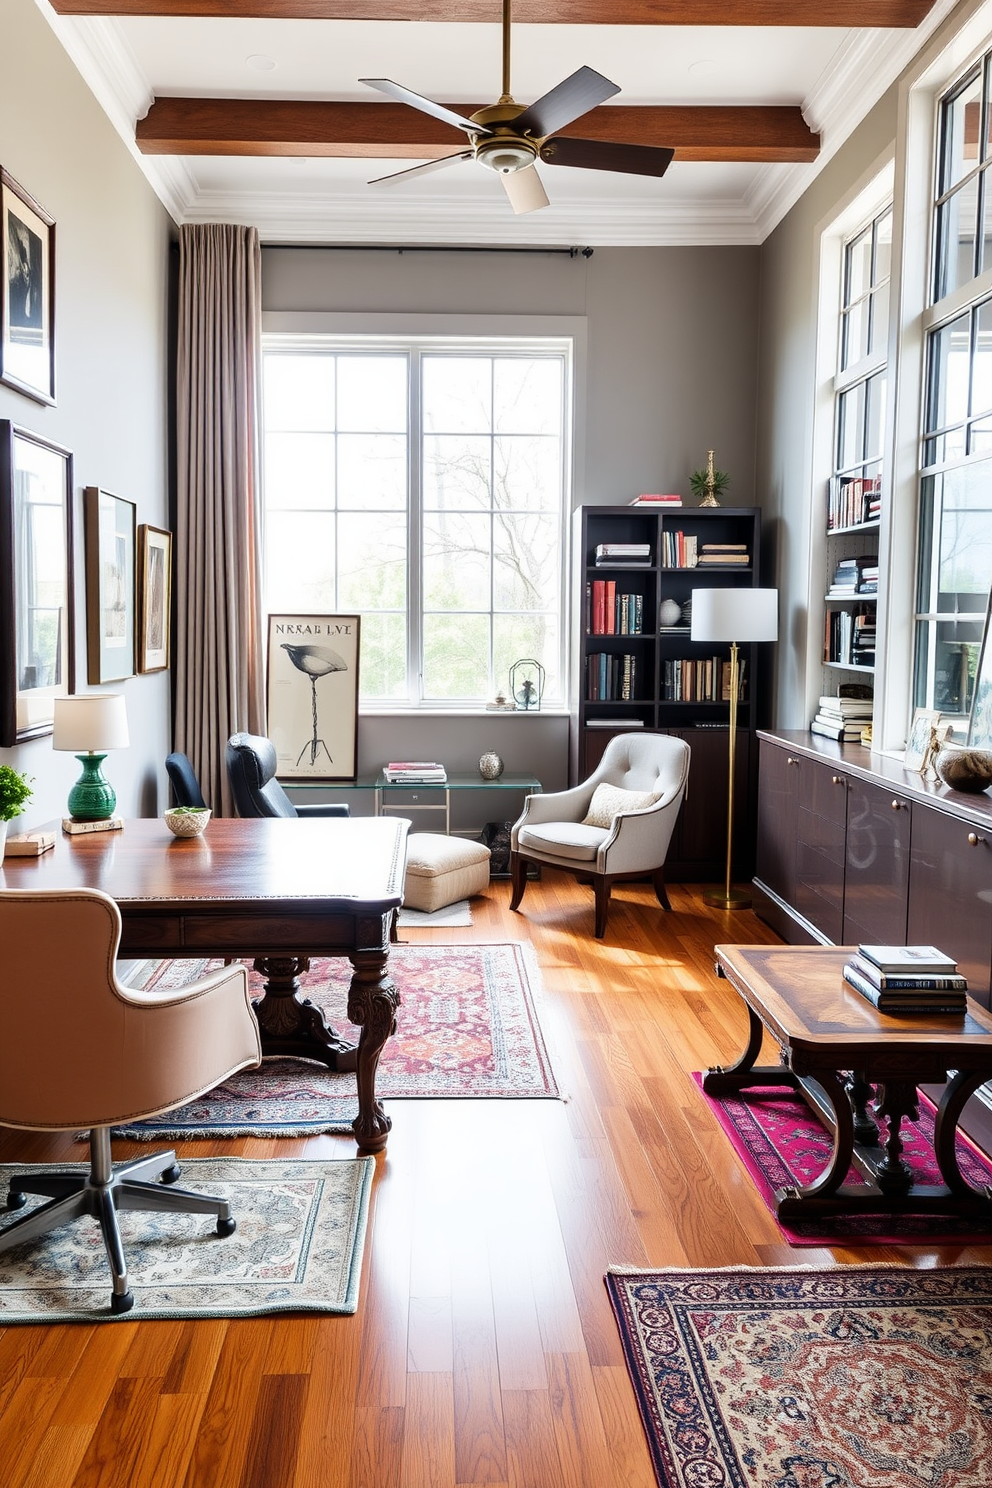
(277, 890)
(824, 1028)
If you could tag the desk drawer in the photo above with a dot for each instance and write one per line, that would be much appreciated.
(245, 934)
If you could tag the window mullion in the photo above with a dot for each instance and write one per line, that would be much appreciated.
(415, 533)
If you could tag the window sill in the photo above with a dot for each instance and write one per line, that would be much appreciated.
(464, 712)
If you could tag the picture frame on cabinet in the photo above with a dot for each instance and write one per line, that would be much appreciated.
(980, 718)
(154, 597)
(27, 301)
(925, 737)
(37, 638)
(109, 533)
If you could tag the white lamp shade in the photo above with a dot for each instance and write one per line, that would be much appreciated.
(741, 615)
(92, 723)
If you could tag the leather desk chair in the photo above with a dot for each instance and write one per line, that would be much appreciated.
(185, 786)
(251, 769)
(79, 1050)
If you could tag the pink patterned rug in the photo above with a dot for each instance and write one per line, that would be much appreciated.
(852, 1377)
(781, 1143)
(467, 1028)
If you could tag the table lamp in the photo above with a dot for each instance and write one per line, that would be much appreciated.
(740, 616)
(88, 727)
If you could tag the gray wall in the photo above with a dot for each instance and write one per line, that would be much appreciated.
(670, 357)
(112, 239)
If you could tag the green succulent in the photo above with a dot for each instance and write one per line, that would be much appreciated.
(701, 484)
(15, 789)
(187, 810)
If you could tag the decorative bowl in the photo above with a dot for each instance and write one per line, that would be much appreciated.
(187, 821)
(964, 769)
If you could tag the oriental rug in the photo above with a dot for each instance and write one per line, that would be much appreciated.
(856, 1377)
(467, 1027)
(782, 1144)
(298, 1246)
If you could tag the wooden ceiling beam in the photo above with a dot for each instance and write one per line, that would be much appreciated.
(885, 14)
(239, 126)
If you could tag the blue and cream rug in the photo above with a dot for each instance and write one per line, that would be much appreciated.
(840, 1378)
(467, 1027)
(298, 1246)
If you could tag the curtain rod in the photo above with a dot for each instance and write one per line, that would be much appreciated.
(420, 248)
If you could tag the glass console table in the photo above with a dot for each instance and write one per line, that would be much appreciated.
(429, 796)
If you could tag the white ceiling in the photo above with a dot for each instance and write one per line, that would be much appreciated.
(834, 75)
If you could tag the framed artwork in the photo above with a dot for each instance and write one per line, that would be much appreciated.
(980, 721)
(37, 657)
(926, 734)
(27, 304)
(154, 598)
(109, 530)
(313, 695)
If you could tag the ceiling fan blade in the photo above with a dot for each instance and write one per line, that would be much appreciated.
(525, 190)
(420, 170)
(633, 160)
(575, 96)
(425, 105)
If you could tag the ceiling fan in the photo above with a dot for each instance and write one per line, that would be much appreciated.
(508, 138)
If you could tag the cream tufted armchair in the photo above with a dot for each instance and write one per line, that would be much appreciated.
(631, 842)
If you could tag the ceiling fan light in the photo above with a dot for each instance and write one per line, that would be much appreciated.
(505, 155)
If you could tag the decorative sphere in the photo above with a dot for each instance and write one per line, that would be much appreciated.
(669, 612)
(490, 766)
(964, 769)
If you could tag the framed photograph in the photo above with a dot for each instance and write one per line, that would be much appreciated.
(980, 721)
(313, 695)
(27, 304)
(109, 530)
(37, 657)
(925, 735)
(154, 598)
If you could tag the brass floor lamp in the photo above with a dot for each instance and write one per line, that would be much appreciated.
(740, 616)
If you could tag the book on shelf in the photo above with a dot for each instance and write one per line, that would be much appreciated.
(934, 1002)
(738, 560)
(415, 772)
(74, 828)
(614, 723)
(723, 548)
(909, 958)
(623, 550)
(920, 982)
(656, 501)
(611, 677)
(833, 728)
(679, 549)
(610, 613)
(852, 501)
(846, 707)
(29, 844)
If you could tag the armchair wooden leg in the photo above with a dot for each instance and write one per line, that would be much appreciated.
(602, 885)
(518, 878)
(658, 879)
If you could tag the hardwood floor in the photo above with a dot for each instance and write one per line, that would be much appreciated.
(483, 1350)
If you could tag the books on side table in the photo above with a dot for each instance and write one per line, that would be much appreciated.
(907, 979)
(414, 772)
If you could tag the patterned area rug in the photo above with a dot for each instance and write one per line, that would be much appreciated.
(467, 1027)
(298, 1245)
(781, 1143)
(845, 1378)
(455, 916)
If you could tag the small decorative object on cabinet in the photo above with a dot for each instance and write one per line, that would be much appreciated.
(527, 683)
(709, 483)
(962, 768)
(490, 765)
(639, 675)
(669, 614)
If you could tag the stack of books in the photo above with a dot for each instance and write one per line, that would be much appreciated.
(842, 718)
(610, 613)
(623, 555)
(852, 501)
(735, 553)
(415, 772)
(907, 979)
(658, 502)
(855, 576)
(679, 550)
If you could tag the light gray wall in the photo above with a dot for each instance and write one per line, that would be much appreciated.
(786, 380)
(669, 371)
(112, 237)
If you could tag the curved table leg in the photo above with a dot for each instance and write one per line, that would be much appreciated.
(372, 1003)
(793, 1202)
(952, 1103)
(744, 1073)
(292, 1025)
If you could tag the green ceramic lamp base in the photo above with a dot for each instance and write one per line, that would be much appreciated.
(92, 798)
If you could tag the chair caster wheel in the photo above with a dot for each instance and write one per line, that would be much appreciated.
(226, 1227)
(15, 1200)
(121, 1302)
(172, 1174)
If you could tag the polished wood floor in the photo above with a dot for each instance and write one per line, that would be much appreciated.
(483, 1350)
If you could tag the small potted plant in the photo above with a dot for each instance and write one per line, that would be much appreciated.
(15, 789)
(187, 821)
(709, 484)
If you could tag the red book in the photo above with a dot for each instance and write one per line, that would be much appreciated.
(598, 606)
(611, 606)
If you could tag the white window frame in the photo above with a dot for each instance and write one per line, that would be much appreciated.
(485, 335)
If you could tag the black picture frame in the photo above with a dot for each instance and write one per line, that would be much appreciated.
(27, 294)
(154, 598)
(37, 631)
(110, 533)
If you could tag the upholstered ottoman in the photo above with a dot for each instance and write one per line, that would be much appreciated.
(441, 870)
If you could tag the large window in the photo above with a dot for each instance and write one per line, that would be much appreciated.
(422, 485)
(860, 381)
(955, 544)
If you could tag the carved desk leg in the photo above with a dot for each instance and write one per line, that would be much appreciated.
(372, 1003)
(896, 1100)
(865, 1127)
(952, 1103)
(292, 1025)
(745, 1073)
(795, 1202)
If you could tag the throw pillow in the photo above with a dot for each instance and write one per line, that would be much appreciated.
(609, 800)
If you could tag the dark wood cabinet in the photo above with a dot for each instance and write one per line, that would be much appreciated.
(876, 879)
(821, 826)
(950, 894)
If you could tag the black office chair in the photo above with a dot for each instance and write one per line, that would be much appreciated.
(185, 786)
(251, 768)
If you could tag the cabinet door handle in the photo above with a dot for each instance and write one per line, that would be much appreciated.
(791, 761)
(838, 780)
(974, 840)
(896, 805)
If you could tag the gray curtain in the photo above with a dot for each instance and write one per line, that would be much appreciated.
(219, 660)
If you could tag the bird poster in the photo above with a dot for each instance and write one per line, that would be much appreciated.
(313, 695)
